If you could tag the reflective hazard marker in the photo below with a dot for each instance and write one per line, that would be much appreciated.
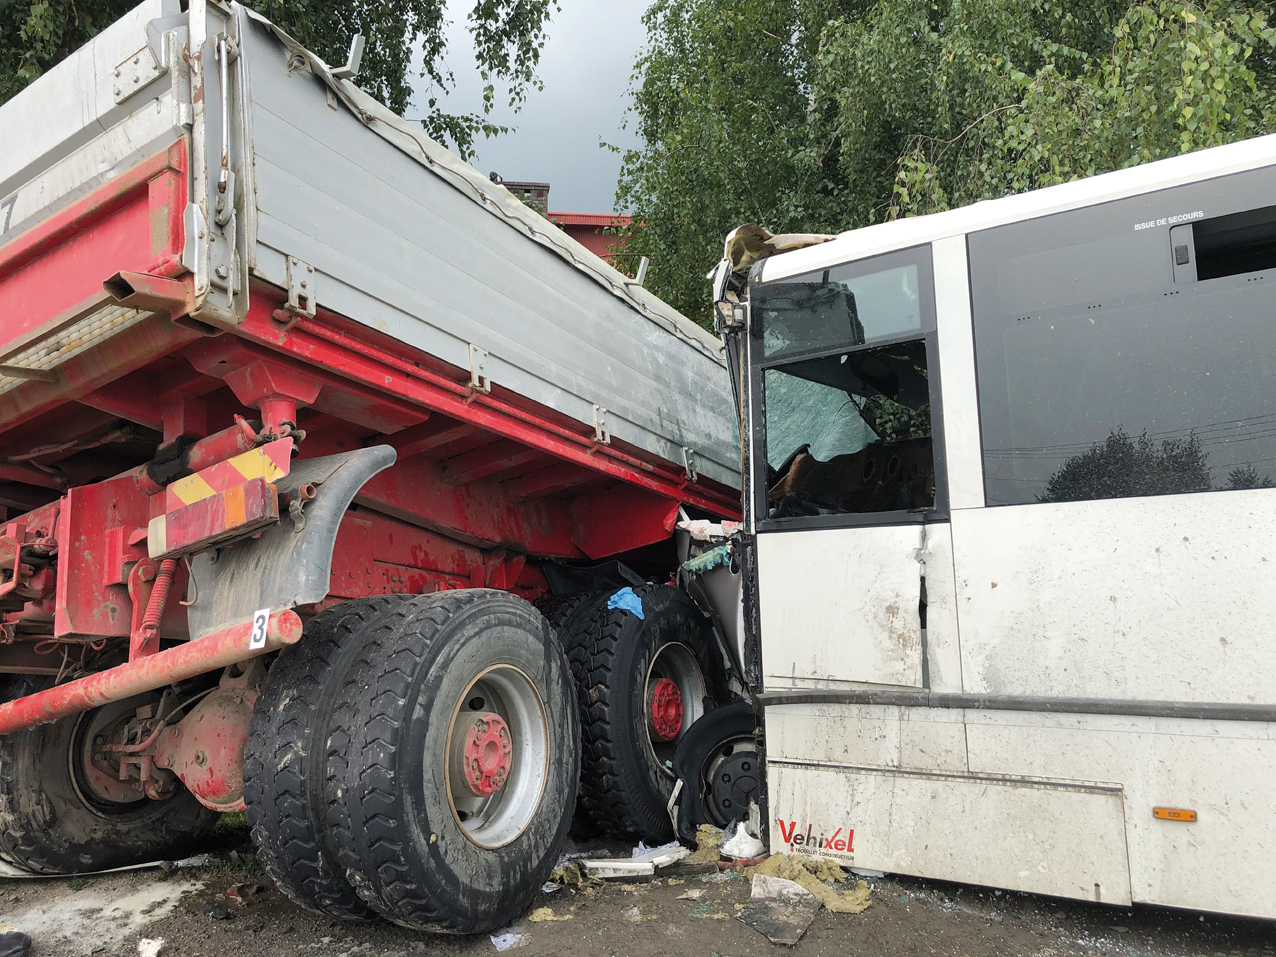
(223, 501)
(1173, 814)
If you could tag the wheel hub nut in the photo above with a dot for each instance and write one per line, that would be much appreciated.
(666, 709)
(489, 753)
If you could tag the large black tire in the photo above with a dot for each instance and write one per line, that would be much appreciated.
(391, 789)
(558, 609)
(563, 612)
(719, 767)
(285, 762)
(50, 822)
(625, 781)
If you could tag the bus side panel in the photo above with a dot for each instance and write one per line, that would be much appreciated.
(1224, 771)
(841, 605)
(1164, 598)
(1045, 837)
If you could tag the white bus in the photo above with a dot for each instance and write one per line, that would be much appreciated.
(1010, 603)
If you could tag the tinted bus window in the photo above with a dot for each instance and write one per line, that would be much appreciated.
(1100, 375)
(843, 306)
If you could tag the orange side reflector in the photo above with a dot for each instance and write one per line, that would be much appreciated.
(1173, 814)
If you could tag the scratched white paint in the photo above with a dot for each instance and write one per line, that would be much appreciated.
(1223, 770)
(841, 605)
(979, 829)
(1161, 598)
(868, 736)
(1149, 599)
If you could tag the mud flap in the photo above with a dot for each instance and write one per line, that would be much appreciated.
(290, 564)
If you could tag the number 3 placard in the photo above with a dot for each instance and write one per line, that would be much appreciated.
(257, 640)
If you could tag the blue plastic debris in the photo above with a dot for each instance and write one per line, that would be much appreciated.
(695, 567)
(626, 600)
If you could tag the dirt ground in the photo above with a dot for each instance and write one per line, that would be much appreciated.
(189, 909)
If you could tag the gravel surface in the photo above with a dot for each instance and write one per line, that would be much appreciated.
(190, 911)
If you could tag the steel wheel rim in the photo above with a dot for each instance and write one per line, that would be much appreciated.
(498, 819)
(722, 755)
(116, 797)
(676, 662)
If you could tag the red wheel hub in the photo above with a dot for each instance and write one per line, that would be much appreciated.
(489, 753)
(666, 709)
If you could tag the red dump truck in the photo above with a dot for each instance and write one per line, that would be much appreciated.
(316, 448)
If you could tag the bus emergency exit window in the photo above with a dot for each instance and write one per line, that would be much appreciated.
(1239, 243)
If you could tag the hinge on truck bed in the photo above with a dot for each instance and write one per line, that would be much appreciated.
(479, 380)
(301, 293)
(301, 287)
(601, 435)
(689, 464)
(135, 72)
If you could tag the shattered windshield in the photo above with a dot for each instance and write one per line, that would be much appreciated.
(833, 308)
(849, 433)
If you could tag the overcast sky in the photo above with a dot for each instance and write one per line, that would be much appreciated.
(586, 63)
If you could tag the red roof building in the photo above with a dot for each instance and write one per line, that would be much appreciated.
(595, 231)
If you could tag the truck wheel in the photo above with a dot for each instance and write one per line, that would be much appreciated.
(285, 762)
(63, 810)
(558, 609)
(453, 761)
(562, 611)
(718, 765)
(641, 682)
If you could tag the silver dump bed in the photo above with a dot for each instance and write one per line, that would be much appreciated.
(402, 236)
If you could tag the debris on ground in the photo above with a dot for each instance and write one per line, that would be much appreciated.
(150, 946)
(240, 892)
(542, 914)
(812, 873)
(216, 911)
(568, 874)
(780, 909)
(742, 846)
(549, 887)
(692, 895)
(867, 872)
(14, 944)
(503, 942)
(645, 862)
(708, 844)
(634, 916)
(766, 887)
(707, 911)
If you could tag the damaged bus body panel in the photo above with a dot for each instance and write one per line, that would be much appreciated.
(1010, 494)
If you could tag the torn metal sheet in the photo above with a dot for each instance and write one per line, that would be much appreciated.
(782, 920)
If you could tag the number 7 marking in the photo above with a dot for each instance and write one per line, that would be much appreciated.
(7, 206)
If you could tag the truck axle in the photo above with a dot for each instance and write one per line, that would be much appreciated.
(146, 674)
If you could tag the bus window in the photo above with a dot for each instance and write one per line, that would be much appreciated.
(834, 308)
(1239, 243)
(842, 365)
(1100, 376)
(850, 433)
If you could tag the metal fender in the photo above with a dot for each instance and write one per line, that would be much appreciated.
(290, 564)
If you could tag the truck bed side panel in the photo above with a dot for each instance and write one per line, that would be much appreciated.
(405, 252)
